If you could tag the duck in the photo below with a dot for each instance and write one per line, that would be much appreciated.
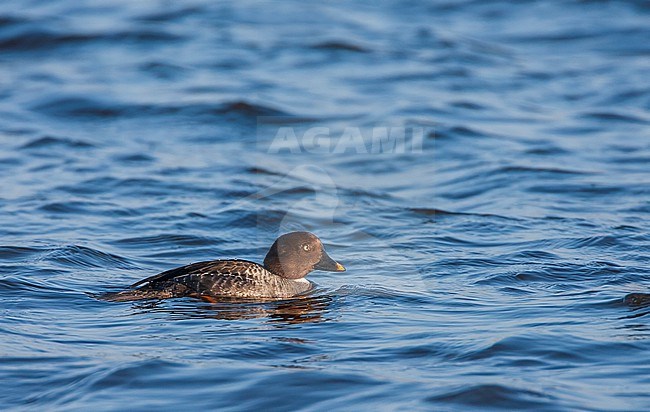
(637, 299)
(282, 275)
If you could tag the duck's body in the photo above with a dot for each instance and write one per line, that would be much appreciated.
(289, 260)
(213, 279)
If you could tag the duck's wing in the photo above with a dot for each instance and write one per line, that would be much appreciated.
(217, 267)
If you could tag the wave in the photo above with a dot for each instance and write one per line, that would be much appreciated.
(50, 141)
(93, 108)
(496, 396)
(77, 256)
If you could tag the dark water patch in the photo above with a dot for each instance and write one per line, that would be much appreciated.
(76, 256)
(299, 191)
(247, 109)
(426, 76)
(527, 255)
(7, 131)
(164, 239)
(38, 39)
(65, 389)
(468, 105)
(138, 158)
(382, 295)
(466, 242)
(141, 186)
(35, 39)
(92, 186)
(614, 117)
(7, 21)
(462, 265)
(547, 151)
(85, 108)
(338, 45)
(641, 160)
(13, 285)
(632, 228)
(553, 355)
(600, 241)
(639, 209)
(49, 141)
(74, 107)
(572, 36)
(539, 170)
(28, 285)
(21, 360)
(573, 130)
(131, 375)
(634, 95)
(439, 212)
(307, 386)
(639, 312)
(18, 253)
(555, 274)
(263, 171)
(175, 14)
(434, 212)
(579, 190)
(445, 132)
(87, 208)
(9, 162)
(478, 180)
(195, 215)
(495, 397)
(428, 353)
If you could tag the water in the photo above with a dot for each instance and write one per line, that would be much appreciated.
(485, 271)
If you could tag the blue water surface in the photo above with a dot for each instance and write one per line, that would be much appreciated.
(488, 256)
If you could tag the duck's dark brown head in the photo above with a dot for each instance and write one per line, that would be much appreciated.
(294, 255)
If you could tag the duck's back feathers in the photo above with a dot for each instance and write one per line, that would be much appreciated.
(233, 266)
(217, 278)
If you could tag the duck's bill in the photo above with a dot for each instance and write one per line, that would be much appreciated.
(328, 264)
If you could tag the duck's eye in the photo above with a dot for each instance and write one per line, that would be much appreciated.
(306, 247)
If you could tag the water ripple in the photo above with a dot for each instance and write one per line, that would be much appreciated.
(500, 265)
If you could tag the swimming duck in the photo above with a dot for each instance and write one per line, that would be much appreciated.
(291, 257)
(637, 299)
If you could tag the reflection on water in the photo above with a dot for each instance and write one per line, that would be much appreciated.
(305, 309)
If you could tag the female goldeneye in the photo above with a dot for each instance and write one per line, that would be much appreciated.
(291, 257)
